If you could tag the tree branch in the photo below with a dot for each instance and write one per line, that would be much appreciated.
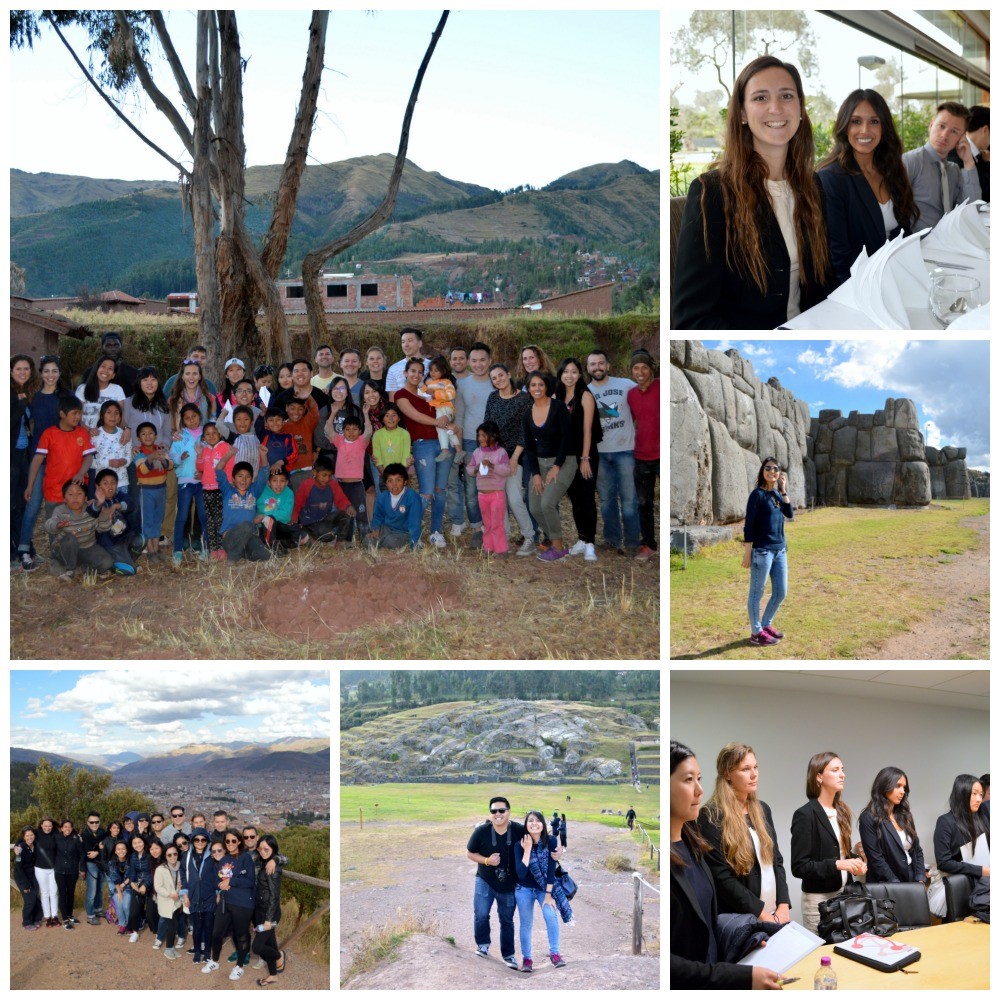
(183, 171)
(180, 77)
(314, 260)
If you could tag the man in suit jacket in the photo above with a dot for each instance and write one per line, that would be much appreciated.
(930, 170)
(977, 134)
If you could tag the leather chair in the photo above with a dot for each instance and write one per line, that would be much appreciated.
(912, 908)
(957, 890)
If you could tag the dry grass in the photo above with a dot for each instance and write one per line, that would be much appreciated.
(616, 862)
(381, 941)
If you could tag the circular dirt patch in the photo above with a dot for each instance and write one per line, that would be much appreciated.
(325, 604)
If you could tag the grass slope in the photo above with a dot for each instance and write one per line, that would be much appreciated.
(853, 580)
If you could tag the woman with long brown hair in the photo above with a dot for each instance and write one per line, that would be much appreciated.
(753, 247)
(821, 837)
(868, 194)
(745, 861)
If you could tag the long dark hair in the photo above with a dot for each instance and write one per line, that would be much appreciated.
(878, 805)
(34, 382)
(91, 390)
(761, 484)
(543, 837)
(140, 401)
(690, 834)
(581, 383)
(350, 408)
(743, 172)
(958, 805)
(888, 155)
(817, 765)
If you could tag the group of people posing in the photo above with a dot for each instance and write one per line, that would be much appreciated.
(724, 855)
(768, 233)
(308, 454)
(182, 880)
(517, 868)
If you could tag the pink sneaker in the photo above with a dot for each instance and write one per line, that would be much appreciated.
(773, 632)
(763, 638)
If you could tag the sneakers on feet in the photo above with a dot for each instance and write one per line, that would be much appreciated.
(170, 953)
(237, 973)
(644, 553)
(589, 553)
(763, 638)
(511, 962)
(483, 952)
(123, 930)
(557, 960)
(457, 529)
(437, 539)
(157, 944)
(178, 559)
(578, 548)
(773, 632)
(259, 963)
(552, 555)
(27, 562)
(210, 966)
(526, 965)
(232, 958)
(526, 549)
(133, 937)
(93, 920)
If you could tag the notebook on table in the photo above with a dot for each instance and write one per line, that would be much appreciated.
(878, 952)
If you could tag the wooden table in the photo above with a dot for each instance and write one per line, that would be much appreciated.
(952, 957)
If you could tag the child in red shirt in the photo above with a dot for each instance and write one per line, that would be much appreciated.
(67, 451)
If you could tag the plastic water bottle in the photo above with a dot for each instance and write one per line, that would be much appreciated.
(825, 978)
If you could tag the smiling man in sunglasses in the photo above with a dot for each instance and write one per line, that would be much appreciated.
(492, 846)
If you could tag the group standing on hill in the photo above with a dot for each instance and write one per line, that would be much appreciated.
(127, 464)
(177, 879)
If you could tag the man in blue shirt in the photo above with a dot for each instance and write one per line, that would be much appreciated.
(938, 186)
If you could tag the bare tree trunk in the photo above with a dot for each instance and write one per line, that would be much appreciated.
(202, 211)
(314, 260)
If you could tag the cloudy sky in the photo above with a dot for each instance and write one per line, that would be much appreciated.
(510, 98)
(948, 380)
(149, 710)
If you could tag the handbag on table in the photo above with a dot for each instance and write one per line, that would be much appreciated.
(855, 911)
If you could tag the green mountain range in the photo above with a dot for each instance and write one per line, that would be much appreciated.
(71, 233)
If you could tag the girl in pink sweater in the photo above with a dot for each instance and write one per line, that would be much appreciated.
(491, 466)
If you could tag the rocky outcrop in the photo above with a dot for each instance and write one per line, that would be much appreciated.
(979, 483)
(951, 479)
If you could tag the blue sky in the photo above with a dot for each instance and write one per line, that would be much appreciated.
(948, 380)
(509, 98)
(150, 710)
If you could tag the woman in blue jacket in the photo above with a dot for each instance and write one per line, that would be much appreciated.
(24, 878)
(237, 892)
(768, 507)
(121, 891)
(140, 880)
(536, 882)
(198, 884)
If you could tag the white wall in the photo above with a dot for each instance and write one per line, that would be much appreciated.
(931, 744)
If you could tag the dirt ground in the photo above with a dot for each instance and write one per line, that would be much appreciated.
(960, 628)
(92, 958)
(438, 885)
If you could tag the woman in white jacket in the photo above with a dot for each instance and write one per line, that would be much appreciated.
(167, 884)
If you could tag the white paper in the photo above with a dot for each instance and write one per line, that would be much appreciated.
(980, 855)
(785, 948)
(265, 394)
(484, 469)
(885, 951)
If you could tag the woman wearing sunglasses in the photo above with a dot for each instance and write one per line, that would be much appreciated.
(198, 884)
(167, 883)
(768, 507)
(237, 892)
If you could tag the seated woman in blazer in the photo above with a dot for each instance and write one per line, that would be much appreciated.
(693, 950)
(745, 861)
(888, 835)
(821, 837)
(961, 827)
(868, 194)
(752, 250)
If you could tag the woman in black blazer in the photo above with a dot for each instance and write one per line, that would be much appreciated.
(962, 825)
(752, 250)
(693, 909)
(738, 863)
(820, 857)
(888, 835)
(868, 194)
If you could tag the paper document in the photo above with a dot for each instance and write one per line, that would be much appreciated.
(790, 945)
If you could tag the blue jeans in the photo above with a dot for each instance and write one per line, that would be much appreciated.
(526, 899)
(95, 889)
(432, 477)
(456, 494)
(482, 902)
(34, 505)
(471, 491)
(187, 494)
(616, 484)
(763, 564)
(153, 504)
(122, 905)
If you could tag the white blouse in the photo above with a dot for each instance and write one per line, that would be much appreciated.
(831, 815)
(768, 883)
(888, 216)
(783, 203)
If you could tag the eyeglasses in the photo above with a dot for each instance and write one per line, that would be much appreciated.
(176, 815)
(49, 358)
(231, 840)
(157, 822)
(93, 822)
(171, 854)
(190, 361)
(771, 468)
(204, 840)
(250, 836)
(245, 391)
(182, 843)
(498, 812)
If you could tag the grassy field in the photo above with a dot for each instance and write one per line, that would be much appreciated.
(855, 578)
(436, 803)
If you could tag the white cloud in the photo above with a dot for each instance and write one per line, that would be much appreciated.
(932, 434)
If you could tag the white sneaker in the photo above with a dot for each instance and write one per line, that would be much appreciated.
(436, 538)
(578, 548)
(457, 529)
(156, 944)
(237, 973)
(526, 548)
(210, 966)
(133, 937)
(259, 963)
(590, 555)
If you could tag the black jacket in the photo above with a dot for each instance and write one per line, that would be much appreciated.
(69, 855)
(689, 942)
(948, 840)
(815, 850)
(853, 218)
(982, 171)
(267, 905)
(45, 849)
(92, 842)
(706, 294)
(884, 853)
(741, 893)
(24, 867)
